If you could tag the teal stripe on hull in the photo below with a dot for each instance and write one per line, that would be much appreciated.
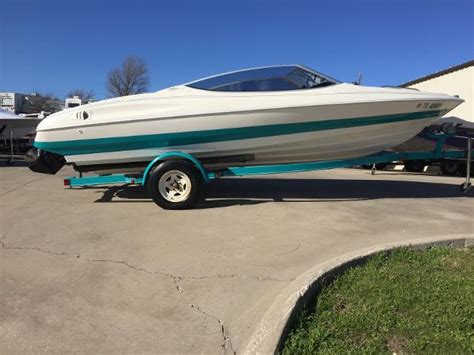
(116, 144)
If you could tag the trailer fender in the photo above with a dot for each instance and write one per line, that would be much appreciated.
(175, 155)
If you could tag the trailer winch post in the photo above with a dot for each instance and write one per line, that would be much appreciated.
(12, 150)
(466, 186)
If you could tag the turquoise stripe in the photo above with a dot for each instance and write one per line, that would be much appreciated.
(115, 144)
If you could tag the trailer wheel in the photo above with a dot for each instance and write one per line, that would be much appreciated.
(449, 167)
(415, 166)
(462, 170)
(175, 185)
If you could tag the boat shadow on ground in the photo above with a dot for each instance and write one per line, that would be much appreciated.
(16, 163)
(248, 191)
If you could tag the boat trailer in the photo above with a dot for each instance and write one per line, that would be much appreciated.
(437, 153)
(10, 152)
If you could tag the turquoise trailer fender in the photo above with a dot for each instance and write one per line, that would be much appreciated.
(171, 155)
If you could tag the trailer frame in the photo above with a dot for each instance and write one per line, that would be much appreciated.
(383, 157)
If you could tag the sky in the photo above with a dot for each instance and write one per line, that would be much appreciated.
(59, 45)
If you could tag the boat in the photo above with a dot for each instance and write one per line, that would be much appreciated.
(16, 127)
(16, 135)
(261, 116)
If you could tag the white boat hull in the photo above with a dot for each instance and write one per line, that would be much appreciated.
(313, 146)
(338, 122)
(16, 127)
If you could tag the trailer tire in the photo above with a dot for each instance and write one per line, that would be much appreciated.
(450, 167)
(462, 169)
(175, 184)
(415, 166)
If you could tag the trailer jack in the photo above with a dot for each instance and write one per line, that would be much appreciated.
(466, 185)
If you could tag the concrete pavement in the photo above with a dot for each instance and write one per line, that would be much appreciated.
(106, 270)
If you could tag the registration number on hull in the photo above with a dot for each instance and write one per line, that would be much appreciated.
(429, 105)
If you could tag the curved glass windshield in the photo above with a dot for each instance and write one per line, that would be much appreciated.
(289, 77)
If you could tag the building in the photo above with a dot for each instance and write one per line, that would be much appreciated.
(29, 103)
(13, 102)
(457, 80)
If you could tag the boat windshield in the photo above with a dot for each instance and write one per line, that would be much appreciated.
(288, 77)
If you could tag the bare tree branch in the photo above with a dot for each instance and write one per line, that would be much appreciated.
(42, 102)
(130, 79)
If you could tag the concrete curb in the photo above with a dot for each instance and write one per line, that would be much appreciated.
(277, 320)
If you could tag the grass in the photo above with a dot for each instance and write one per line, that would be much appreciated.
(403, 302)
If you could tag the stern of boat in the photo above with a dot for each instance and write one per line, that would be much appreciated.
(44, 162)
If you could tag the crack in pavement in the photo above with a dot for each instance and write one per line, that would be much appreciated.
(227, 344)
(3, 238)
(291, 251)
(227, 341)
(3, 246)
(23, 185)
(228, 276)
(38, 249)
(136, 268)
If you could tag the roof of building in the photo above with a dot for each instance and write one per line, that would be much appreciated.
(439, 73)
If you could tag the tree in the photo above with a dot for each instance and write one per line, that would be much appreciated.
(130, 79)
(84, 95)
(38, 102)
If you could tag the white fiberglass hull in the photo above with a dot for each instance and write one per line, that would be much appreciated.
(338, 122)
(309, 146)
(16, 127)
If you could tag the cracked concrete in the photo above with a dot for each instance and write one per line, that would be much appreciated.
(226, 342)
(176, 278)
(105, 270)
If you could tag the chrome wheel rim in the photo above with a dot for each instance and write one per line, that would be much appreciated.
(174, 186)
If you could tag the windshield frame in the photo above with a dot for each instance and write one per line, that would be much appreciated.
(296, 66)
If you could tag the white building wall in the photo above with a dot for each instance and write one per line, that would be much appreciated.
(7, 101)
(13, 101)
(459, 83)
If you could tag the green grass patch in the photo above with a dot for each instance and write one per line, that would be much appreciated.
(406, 301)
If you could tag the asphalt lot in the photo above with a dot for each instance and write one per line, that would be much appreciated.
(106, 270)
